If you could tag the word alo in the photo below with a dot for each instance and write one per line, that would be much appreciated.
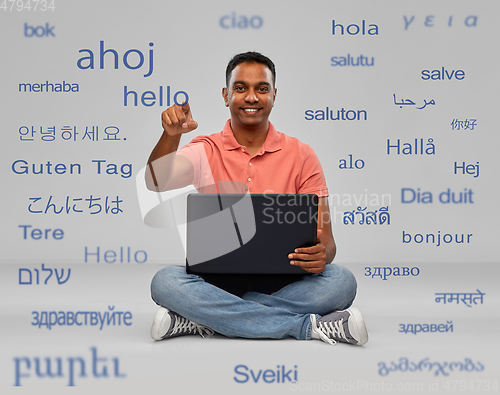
(59, 367)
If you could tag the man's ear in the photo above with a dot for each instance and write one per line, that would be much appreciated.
(224, 95)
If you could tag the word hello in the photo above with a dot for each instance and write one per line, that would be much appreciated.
(124, 255)
(148, 98)
(443, 74)
(39, 31)
(280, 375)
(87, 62)
(240, 22)
(409, 195)
(59, 367)
(354, 29)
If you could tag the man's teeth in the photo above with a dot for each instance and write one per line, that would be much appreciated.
(251, 109)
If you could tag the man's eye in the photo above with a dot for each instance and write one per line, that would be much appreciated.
(264, 89)
(238, 88)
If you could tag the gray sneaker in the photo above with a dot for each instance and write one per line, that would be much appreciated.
(346, 326)
(170, 324)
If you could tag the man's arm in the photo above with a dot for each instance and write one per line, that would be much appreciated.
(166, 170)
(313, 259)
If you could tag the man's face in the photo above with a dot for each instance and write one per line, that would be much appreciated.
(250, 95)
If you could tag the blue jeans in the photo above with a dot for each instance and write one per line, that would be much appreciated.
(285, 313)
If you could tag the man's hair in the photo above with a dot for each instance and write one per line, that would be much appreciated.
(249, 57)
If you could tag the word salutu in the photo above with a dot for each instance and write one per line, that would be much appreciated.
(54, 367)
(444, 368)
(467, 298)
(408, 102)
(28, 277)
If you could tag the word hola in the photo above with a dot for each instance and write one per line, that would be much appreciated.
(39, 31)
(443, 74)
(240, 22)
(50, 367)
(354, 29)
(29, 279)
(87, 62)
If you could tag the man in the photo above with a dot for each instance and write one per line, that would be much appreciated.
(250, 151)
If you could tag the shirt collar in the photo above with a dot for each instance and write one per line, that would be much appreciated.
(272, 143)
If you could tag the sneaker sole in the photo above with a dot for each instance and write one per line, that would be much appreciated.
(157, 321)
(357, 326)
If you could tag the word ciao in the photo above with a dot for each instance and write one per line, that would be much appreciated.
(59, 367)
(417, 328)
(354, 29)
(28, 278)
(87, 62)
(281, 375)
(443, 74)
(430, 21)
(70, 318)
(444, 368)
(391, 271)
(234, 21)
(21, 166)
(467, 298)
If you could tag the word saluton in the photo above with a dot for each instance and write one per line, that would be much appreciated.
(87, 62)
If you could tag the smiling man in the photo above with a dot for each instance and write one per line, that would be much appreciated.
(256, 158)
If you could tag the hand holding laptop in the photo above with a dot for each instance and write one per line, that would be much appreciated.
(311, 259)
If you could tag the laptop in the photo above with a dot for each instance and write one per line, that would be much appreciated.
(248, 234)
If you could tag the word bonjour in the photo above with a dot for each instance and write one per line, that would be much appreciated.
(21, 166)
(467, 298)
(430, 238)
(124, 255)
(243, 374)
(29, 280)
(53, 367)
(388, 271)
(234, 21)
(410, 195)
(442, 74)
(70, 318)
(425, 365)
(354, 29)
(470, 21)
(417, 328)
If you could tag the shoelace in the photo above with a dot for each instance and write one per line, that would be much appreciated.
(183, 325)
(328, 330)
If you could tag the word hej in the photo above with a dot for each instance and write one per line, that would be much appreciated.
(243, 374)
(431, 21)
(410, 195)
(466, 298)
(21, 166)
(354, 29)
(69, 367)
(28, 280)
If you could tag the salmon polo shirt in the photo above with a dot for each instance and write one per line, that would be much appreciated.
(282, 165)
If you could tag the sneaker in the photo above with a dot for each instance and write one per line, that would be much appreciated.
(169, 324)
(346, 326)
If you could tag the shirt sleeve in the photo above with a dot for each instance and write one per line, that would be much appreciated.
(312, 177)
(196, 152)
